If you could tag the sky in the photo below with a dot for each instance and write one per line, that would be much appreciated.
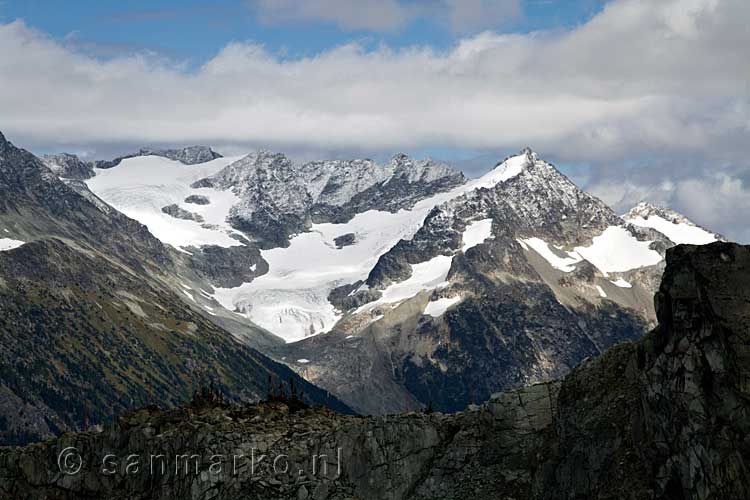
(635, 100)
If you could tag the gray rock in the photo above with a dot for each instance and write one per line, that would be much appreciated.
(664, 418)
(191, 155)
(180, 213)
(197, 199)
(68, 166)
(344, 240)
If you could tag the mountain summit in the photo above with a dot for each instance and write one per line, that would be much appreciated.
(678, 228)
(398, 285)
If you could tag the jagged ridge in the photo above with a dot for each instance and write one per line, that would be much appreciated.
(279, 197)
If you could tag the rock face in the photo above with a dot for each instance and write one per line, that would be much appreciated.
(227, 267)
(665, 418)
(68, 166)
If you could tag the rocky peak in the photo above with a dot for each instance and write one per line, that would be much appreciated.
(426, 171)
(68, 166)
(400, 159)
(247, 173)
(543, 198)
(646, 210)
(4, 144)
(529, 153)
(672, 224)
(190, 155)
(19, 170)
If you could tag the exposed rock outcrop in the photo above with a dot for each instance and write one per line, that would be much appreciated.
(344, 240)
(69, 166)
(190, 155)
(178, 212)
(664, 418)
(227, 267)
(198, 199)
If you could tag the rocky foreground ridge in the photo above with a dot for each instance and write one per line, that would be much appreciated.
(667, 417)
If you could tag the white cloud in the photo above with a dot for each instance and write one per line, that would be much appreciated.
(641, 79)
(630, 77)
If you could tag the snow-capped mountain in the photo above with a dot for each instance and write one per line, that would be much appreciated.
(429, 287)
(93, 318)
(678, 228)
(256, 201)
(513, 278)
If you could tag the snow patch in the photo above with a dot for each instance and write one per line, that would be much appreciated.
(303, 361)
(437, 308)
(613, 251)
(601, 291)
(375, 319)
(616, 250)
(424, 276)
(621, 283)
(476, 233)
(9, 244)
(565, 264)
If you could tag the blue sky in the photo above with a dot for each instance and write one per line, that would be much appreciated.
(194, 31)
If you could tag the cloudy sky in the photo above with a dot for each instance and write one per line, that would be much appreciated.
(634, 99)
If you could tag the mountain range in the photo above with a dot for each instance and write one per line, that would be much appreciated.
(387, 287)
(665, 417)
